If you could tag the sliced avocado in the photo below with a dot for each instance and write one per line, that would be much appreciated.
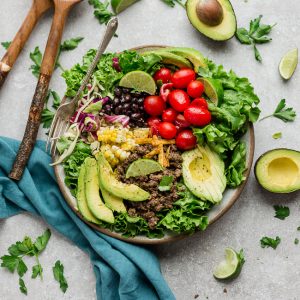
(225, 30)
(119, 189)
(278, 170)
(92, 193)
(194, 56)
(170, 58)
(204, 173)
(81, 198)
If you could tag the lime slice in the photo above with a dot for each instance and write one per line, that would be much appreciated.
(143, 167)
(231, 266)
(140, 81)
(288, 64)
(120, 5)
(213, 90)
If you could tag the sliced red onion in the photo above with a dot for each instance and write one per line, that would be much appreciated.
(116, 64)
(124, 120)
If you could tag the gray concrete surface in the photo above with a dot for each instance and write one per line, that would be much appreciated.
(188, 264)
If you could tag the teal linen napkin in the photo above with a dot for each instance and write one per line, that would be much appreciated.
(123, 270)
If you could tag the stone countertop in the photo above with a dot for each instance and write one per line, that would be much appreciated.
(187, 264)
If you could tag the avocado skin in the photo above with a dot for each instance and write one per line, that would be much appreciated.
(211, 36)
(261, 158)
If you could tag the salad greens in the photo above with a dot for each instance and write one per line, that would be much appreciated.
(165, 183)
(101, 11)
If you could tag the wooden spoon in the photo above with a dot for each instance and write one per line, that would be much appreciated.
(62, 8)
(38, 8)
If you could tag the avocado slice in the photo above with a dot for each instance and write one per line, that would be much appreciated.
(81, 198)
(221, 32)
(170, 58)
(117, 188)
(194, 56)
(92, 193)
(278, 170)
(204, 173)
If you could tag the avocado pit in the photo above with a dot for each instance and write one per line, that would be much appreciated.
(210, 12)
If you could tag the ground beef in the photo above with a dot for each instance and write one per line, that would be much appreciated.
(158, 200)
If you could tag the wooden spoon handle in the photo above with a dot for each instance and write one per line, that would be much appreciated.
(37, 104)
(38, 8)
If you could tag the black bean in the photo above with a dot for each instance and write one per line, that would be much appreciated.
(134, 100)
(141, 101)
(127, 98)
(118, 110)
(116, 101)
(122, 100)
(125, 90)
(118, 92)
(136, 116)
(135, 107)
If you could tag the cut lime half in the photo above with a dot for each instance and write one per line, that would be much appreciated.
(213, 90)
(288, 64)
(140, 81)
(120, 5)
(231, 266)
(142, 167)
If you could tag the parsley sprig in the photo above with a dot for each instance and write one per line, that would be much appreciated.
(47, 114)
(101, 11)
(58, 273)
(281, 212)
(270, 242)
(172, 3)
(257, 34)
(5, 45)
(283, 113)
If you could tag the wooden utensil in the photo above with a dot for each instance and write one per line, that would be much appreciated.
(62, 8)
(38, 8)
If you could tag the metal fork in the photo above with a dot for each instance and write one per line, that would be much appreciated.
(61, 119)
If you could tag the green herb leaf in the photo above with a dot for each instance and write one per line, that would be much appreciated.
(101, 11)
(281, 212)
(298, 228)
(283, 113)
(42, 241)
(71, 44)
(257, 54)
(5, 45)
(13, 263)
(241, 257)
(47, 117)
(56, 100)
(22, 248)
(242, 35)
(58, 272)
(22, 286)
(172, 3)
(37, 270)
(254, 25)
(36, 56)
(277, 135)
(296, 241)
(270, 242)
(166, 183)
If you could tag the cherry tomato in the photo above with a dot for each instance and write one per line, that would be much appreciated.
(181, 122)
(182, 78)
(186, 140)
(154, 105)
(169, 115)
(179, 100)
(153, 123)
(200, 102)
(163, 74)
(198, 116)
(195, 89)
(167, 130)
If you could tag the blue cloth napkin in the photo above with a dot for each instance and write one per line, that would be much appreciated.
(123, 270)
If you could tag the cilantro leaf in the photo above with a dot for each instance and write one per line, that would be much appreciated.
(242, 35)
(254, 24)
(165, 183)
(42, 241)
(36, 56)
(58, 272)
(270, 242)
(71, 44)
(277, 135)
(281, 212)
(13, 263)
(5, 45)
(22, 286)
(101, 11)
(296, 241)
(283, 113)
(172, 3)
(257, 54)
(37, 270)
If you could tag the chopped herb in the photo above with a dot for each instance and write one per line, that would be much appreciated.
(71, 44)
(37, 270)
(165, 183)
(47, 114)
(172, 3)
(277, 135)
(269, 242)
(281, 212)
(5, 45)
(36, 56)
(257, 34)
(283, 113)
(296, 241)
(101, 11)
(22, 286)
(58, 272)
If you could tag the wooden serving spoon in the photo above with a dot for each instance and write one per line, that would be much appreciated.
(38, 8)
(62, 8)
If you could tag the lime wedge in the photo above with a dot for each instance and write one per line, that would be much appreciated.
(140, 81)
(231, 266)
(120, 5)
(213, 90)
(288, 64)
(143, 167)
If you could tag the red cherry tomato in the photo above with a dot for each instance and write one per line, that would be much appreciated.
(182, 78)
(163, 74)
(169, 115)
(195, 89)
(200, 102)
(153, 123)
(186, 140)
(154, 105)
(181, 122)
(198, 116)
(179, 100)
(167, 130)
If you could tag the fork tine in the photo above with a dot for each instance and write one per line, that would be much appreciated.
(52, 129)
(63, 126)
(56, 132)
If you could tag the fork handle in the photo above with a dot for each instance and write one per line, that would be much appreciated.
(37, 9)
(37, 104)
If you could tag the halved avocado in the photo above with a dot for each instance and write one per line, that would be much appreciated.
(225, 30)
(204, 173)
(278, 170)
(125, 191)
